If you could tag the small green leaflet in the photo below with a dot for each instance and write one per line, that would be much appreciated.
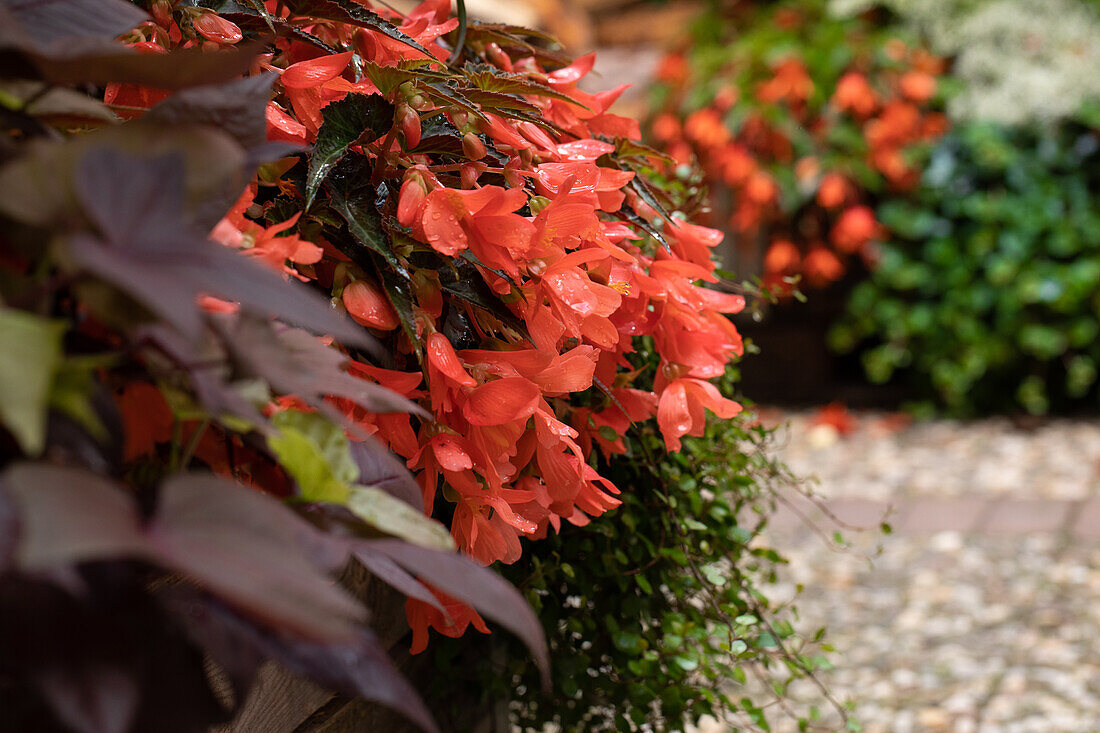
(30, 352)
(316, 453)
(389, 514)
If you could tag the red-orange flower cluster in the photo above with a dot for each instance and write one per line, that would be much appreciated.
(541, 221)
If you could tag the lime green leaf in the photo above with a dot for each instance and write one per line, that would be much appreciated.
(389, 514)
(31, 346)
(316, 453)
(72, 391)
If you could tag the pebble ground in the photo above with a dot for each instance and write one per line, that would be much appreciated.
(980, 613)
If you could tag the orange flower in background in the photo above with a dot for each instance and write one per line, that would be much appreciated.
(761, 189)
(821, 266)
(854, 94)
(672, 69)
(782, 256)
(706, 128)
(736, 164)
(782, 123)
(791, 82)
(855, 227)
(917, 86)
(836, 416)
(834, 190)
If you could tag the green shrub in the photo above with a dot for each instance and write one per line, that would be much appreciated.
(988, 294)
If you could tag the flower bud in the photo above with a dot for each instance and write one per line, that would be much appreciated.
(369, 307)
(472, 146)
(511, 172)
(409, 121)
(470, 172)
(217, 29)
(460, 119)
(497, 57)
(409, 200)
(429, 295)
(536, 135)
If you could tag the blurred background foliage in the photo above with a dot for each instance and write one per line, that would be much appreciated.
(988, 288)
(927, 169)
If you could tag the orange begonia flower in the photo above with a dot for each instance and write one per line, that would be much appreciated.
(680, 410)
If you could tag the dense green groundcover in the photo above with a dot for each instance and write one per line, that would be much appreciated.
(987, 294)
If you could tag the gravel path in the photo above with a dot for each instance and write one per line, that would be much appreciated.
(981, 613)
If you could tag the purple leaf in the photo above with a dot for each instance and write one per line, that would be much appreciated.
(295, 362)
(135, 203)
(61, 24)
(72, 41)
(256, 554)
(69, 515)
(357, 666)
(218, 631)
(472, 584)
(381, 469)
(91, 698)
(204, 367)
(179, 69)
(391, 573)
(151, 283)
(237, 107)
(106, 658)
(9, 530)
(71, 442)
(150, 250)
(360, 668)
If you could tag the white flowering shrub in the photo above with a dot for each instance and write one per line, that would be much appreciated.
(1019, 61)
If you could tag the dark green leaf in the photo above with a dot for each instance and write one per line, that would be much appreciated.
(352, 196)
(397, 290)
(463, 281)
(491, 79)
(388, 78)
(357, 118)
